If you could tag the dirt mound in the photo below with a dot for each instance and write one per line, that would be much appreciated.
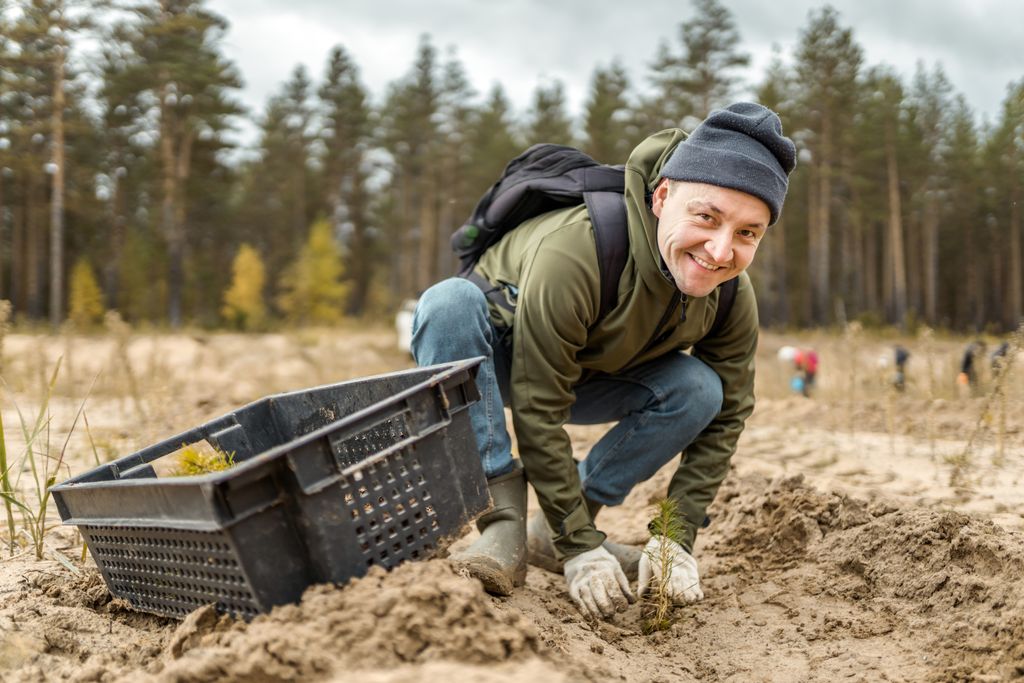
(964, 576)
(775, 526)
(417, 613)
(86, 589)
(958, 578)
(805, 583)
(64, 626)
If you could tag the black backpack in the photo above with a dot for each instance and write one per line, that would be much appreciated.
(544, 178)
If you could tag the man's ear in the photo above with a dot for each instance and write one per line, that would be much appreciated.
(659, 197)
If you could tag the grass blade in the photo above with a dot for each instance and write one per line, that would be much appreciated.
(63, 559)
(10, 499)
(5, 482)
(92, 442)
(51, 479)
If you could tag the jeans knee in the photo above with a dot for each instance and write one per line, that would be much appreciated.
(694, 389)
(450, 322)
(707, 391)
(449, 304)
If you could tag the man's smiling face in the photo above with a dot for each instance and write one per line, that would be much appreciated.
(707, 234)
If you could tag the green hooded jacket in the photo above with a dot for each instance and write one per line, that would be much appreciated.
(556, 342)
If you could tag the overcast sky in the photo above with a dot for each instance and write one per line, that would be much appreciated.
(522, 43)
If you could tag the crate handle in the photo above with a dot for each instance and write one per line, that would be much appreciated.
(423, 412)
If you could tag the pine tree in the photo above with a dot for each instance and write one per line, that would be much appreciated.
(828, 63)
(30, 78)
(277, 199)
(1006, 165)
(177, 63)
(312, 291)
(456, 111)
(549, 119)
(123, 163)
(492, 142)
(669, 106)
(928, 112)
(710, 57)
(6, 157)
(700, 77)
(776, 92)
(606, 115)
(410, 132)
(347, 141)
(244, 306)
(85, 301)
(888, 97)
(297, 113)
(963, 292)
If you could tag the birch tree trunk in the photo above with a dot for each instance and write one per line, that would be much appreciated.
(3, 233)
(33, 250)
(57, 193)
(931, 258)
(428, 235)
(897, 270)
(820, 231)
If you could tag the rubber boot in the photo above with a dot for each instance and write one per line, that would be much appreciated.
(498, 557)
(540, 547)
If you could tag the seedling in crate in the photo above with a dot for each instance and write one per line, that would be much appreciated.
(200, 458)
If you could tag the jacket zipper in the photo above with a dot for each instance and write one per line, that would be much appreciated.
(661, 323)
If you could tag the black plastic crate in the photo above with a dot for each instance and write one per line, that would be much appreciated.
(327, 482)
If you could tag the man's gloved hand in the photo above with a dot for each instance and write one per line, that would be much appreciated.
(597, 584)
(683, 581)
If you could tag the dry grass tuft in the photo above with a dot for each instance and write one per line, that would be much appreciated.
(200, 458)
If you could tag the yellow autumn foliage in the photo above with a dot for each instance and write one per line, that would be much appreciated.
(243, 301)
(312, 290)
(85, 300)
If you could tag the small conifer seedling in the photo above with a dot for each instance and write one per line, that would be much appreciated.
(656, 609)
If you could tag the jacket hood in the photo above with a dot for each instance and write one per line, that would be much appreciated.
(643, 171)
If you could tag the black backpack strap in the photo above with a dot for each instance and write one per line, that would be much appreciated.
(726, 296)
(494, 293)
(611, 233)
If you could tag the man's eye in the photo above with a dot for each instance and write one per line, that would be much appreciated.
(749, 234)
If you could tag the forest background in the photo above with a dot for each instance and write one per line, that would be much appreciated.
(120, 187)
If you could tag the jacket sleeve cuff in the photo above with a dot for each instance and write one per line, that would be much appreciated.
(576, 534)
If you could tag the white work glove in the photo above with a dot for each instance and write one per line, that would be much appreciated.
(597, 584)
(683, 581)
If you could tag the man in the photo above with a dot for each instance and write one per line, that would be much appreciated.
(697, 208)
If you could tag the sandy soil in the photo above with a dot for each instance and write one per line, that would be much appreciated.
(854, 540)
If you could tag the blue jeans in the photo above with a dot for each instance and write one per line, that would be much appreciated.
(660, 407)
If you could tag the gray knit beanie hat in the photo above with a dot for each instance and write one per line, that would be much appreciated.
(740, 147)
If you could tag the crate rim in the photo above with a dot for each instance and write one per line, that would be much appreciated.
(450, 369)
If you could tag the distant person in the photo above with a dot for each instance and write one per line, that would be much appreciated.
(804, 362)
(807, 363)
(999, 359)
(900, 357)
(968, 376)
